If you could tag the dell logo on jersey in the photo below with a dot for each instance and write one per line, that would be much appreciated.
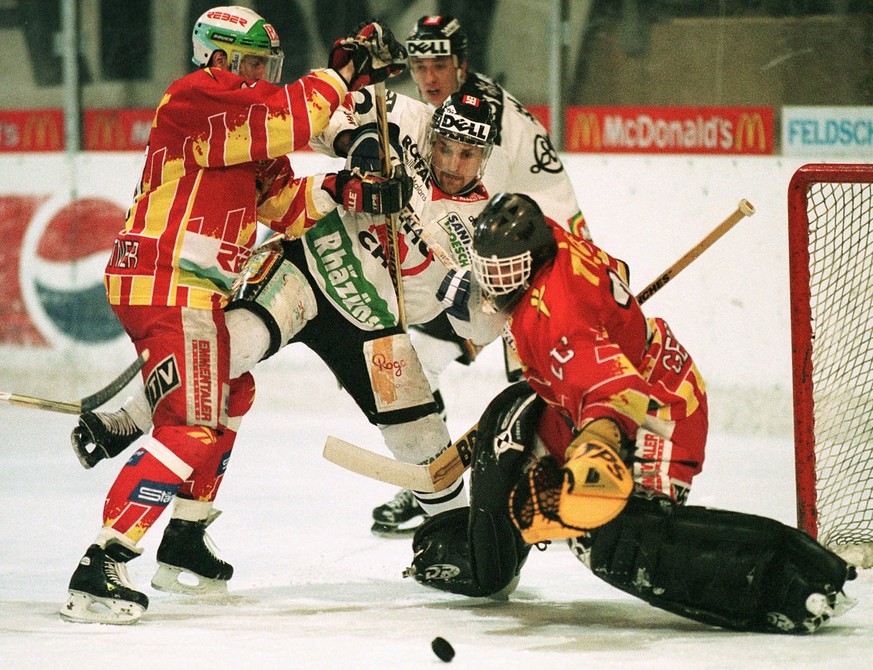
(473, 129)
(429, 48)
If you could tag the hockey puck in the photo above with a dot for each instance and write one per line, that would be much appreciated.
(441, 647)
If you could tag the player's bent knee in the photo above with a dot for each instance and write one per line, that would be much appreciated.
(183, 448)
(274, 289)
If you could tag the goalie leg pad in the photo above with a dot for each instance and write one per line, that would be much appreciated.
(442, 558)
(477, 551)
(728, 569)
(502, 450)
(273, 288)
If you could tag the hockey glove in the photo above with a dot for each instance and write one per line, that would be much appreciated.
(374, 53)
(557, 503)
(369, 194)
(454, 294)
(365, 150)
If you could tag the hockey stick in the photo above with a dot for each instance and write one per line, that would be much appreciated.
(743, 209)
(436, 476)
(393, 249)
(86, 404)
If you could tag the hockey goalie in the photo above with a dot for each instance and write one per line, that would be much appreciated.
(598, 447)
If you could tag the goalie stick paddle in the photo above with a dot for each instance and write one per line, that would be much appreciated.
(429, 478)
(452, 462)
(87, 403)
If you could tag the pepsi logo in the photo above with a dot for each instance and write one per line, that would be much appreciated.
(61, 262)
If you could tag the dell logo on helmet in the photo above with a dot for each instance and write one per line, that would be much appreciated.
(429, 48)
(473, 129)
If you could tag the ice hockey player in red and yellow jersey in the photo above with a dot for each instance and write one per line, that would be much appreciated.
(215, 166)
(599, 447)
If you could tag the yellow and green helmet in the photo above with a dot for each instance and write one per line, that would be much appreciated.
(238, 32)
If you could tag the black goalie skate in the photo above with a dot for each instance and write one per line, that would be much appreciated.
(187, 563)
(392, 519)
(100, 589)
(109, 433)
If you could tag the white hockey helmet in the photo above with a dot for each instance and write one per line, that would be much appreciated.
(238, 32)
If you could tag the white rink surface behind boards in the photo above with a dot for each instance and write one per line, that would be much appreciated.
(313, 588)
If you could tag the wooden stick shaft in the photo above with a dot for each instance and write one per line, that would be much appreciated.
(743, 210)
(393, 250)
(86, 404)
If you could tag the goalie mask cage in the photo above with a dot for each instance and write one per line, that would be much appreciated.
(830, 231)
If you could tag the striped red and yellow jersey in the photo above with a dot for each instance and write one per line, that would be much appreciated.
(587, 348)
(214, 166)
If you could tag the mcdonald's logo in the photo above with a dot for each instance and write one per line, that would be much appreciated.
(750, 133)
(104, 131)
(584, 132)
(42, 131)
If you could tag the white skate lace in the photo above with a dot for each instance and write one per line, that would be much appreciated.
(117, 573)
(211, 547)
(401, 501)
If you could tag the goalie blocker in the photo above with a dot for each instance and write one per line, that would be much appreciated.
(737, 571)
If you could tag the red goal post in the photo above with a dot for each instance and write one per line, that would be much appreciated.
(830, 231)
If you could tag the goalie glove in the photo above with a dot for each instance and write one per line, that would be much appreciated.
(591, 489)
(454, 294)
(374, 53)
(369, 194)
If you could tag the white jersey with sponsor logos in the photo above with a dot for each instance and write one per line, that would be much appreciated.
(344, 253)
(523, 159)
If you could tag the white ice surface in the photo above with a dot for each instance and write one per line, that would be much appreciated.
(313, 588)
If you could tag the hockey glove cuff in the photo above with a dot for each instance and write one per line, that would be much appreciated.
(454, 294)
(369, 194)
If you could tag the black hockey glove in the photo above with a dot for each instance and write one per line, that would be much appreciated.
(365, 150)
(370, 194)
(95, 439)
(373, 50)
(454, 294)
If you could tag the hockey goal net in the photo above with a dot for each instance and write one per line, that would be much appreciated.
(830, 222)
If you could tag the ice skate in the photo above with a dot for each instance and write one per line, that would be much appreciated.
(187, 562)
(101, 591)
(392, 520)
(109, 433)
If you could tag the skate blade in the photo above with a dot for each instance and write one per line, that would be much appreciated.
(85, 608)
(171, 579)
(393, 531)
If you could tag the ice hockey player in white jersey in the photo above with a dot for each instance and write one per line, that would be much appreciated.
(336, 294)
(523, 160)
